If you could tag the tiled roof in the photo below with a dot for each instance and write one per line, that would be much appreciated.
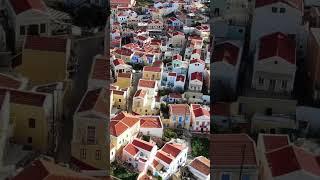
(81, 165)
(9, 81)
(290, 159)
(147, 83)
(140, 93)
(175, 95)
(228, 150)
(46, 43)
(202, 164)
(93, 101)
(196, 75)
(24, 97)
(20, 6)
(197, 61)
(164, 157)
(143, 144)
(100, 69)
(152, 68)
(196, 51)
(177, 57)
(272, 142)
(150, 122)
(118, 92)
(131, 149)
(226, 52)
(157, 63)
(278, 44)
(121, 122)
(172, 149)
(180, 78)
(124, 51)
(172, 74)
(201, 112)
(116, 62)
(42, 169)
(179, 109)
(298, 4)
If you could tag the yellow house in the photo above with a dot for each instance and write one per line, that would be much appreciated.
(89, 130)
(123, 129)
(124, 80)
(30, 115)
(143, 104)
(152, 73)
(120, 99)
(48, 56)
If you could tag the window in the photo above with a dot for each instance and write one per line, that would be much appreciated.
(98, 154)
(42, 28)
(275, 62)
(22, 30)
(284, 84)
(32, 123)
(274, 9)
(245, 177)
(91, 135)
(225, 176)
(119, 100)
(29, 140)
(83, 153)
(261, 81)
(240, 30)
(197, 123)
(282, 10)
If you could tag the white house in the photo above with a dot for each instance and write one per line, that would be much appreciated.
(112, 152)
(120, 66)
(28, 18)
(275, 63)
(226, 62)
(168, 159)
(196, 65)
(200, 168)
(150, 85)
(180, 82)
(122, 18)
(200, 119)
(196, 81)
(196, 54)
(139, 154)
(276, 16)
(151, 126)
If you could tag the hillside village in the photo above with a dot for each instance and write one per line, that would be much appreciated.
(160, 67)
(151, 89)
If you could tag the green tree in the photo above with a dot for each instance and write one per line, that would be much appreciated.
(200, 147)
(169, 134)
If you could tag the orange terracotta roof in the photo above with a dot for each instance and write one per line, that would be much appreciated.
(24, 97)
(46, 43)
(180, 109)
(9, 82)
(150, 122)
(201, 164)
(147, 83)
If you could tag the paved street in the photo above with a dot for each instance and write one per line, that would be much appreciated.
(85, 49)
